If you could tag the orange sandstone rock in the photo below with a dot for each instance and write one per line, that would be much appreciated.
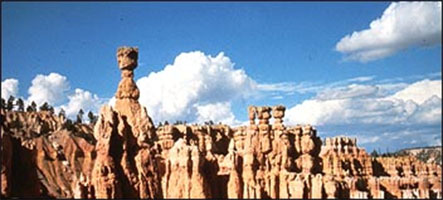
(125, 156)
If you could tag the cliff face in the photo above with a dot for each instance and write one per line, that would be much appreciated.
(125, 156)
(40, 157)
(425, 154)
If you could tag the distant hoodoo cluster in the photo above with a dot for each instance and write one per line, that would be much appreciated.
(125, 156)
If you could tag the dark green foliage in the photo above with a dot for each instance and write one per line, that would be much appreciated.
(426, 155)
(51, 109)
(3, 103)
(34, 106)
(62, 113)
(69, 125)
(374, 153)
(80, 116)
(10, 103)
(44, 107)
(210, 122)
(92, 118)
(29, 109)
(20, 105)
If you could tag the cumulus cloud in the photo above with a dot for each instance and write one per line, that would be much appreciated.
(420, 91)
(366, 104)
(217, 112)
(402, 25)
(429, 111)
(81, 99)
(54, 89)
(195, 82)
(368, 110)
(50, 88)
(9, 87)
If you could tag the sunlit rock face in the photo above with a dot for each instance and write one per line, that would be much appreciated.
(125, 156)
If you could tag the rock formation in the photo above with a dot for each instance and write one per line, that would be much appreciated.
(125, 164)
(125, 156)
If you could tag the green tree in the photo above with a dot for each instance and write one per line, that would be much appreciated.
(374, 153)
(44, 107)
(62, 113)
(69, 125)
(80, 116)
(20, 105)
(29, 108)
(10, 104)
(92, 118)
(3, 103)
(33, 106)
(51, 110)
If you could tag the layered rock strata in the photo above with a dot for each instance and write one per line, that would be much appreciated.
(125, 156)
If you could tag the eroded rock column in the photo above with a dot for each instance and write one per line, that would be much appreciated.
(104, 176)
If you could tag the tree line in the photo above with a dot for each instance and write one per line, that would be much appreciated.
(18, 105)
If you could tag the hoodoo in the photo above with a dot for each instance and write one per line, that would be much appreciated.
(125, 156)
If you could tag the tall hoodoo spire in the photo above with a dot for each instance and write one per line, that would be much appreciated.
(127, 93)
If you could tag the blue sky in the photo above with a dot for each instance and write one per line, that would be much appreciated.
(288, 53)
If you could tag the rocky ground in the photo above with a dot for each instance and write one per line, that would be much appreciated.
(425, 154)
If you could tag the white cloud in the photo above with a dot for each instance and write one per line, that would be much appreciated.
(429, 111)
(419, 102)
(362, 79)
(81, 99)
(192, 81)
(314, 112)
(9, 87)
(51, 88)
(364, 139)
(278, 87)
(55, 89)
(289, 88)
(217, 112)
(377, 114)
(277, 97)
(350, 91)
(402, 25)
(112, 101)
(420, 91)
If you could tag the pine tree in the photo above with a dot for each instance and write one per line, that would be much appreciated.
(62, 113)
(69, 125)
(20, 105)
(44, 107)
(374, 153)
(51, 110)
(34, 106)
(29, 108)
(80, 116)
(10, 104)
(3, 103)
(92, 117)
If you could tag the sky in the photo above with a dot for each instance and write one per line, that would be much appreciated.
(358, 69)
